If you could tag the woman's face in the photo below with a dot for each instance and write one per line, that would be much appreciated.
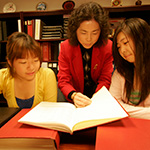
(26, 68)
(126, 47)
(88, 33)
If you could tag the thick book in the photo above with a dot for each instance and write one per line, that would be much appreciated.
(1, 34)
(46, 51)
(38, 28)
(19, 25)
(124, 134)
(64, 116)
(31, 27)
(4, 30)
(20, 136)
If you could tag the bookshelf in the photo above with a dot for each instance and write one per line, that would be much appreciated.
(55, 17)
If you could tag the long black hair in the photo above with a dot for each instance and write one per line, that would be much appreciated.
(139, 31)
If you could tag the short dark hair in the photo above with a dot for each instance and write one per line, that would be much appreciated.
(19, 45)
(139, 31)
(88, 11)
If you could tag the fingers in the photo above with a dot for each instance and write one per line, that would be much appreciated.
(81, 100)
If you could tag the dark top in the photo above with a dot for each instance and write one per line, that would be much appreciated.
(27, 103)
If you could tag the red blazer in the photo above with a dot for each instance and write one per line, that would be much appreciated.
(71, 74)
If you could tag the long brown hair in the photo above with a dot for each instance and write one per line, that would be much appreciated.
(139, 31)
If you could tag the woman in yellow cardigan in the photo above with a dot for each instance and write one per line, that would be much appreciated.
(24, 83)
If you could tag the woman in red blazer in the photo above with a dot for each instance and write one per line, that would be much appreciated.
(88, 31)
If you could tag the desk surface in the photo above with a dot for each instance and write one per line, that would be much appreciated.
(125, 134)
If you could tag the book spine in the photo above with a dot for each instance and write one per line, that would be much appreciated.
(37, 29)
(30, 27)
(19, 25)
(45, 50)
(25, 27)
(4, 30)
(1, 38)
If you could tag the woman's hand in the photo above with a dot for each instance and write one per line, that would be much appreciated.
(81, 100)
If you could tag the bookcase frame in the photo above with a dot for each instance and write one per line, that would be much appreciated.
(141, 11)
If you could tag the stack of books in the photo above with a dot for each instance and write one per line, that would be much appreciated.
(65, 25)
(52, 32)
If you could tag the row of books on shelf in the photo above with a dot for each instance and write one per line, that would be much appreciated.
(37, 29)
(65, 25)
(43, 31)
(50, 56)
(50, 52)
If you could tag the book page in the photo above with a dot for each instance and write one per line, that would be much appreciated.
(50, 114)
(103, 106)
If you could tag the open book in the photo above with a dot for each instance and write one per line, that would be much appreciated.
(65, 117)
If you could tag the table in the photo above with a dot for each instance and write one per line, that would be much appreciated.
(124, 134)
(80, 140)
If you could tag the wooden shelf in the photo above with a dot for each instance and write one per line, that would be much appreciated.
(62, 11)
(128, 8)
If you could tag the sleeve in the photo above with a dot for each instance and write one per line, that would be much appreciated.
(136, 111)
(65, 82)
(50, 86)
(117, 89)
(117, 86)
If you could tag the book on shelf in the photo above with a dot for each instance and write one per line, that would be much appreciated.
(46, 50)
(19, 25)
(25, 27)
(4, 30)
(20, 136)
(54, 51)
(52, 35)
(65, 117)
(49, 37)
(38, 28)
(65, 24)
(31, 27)
(52, 32)
(52, 27)
(1, 34)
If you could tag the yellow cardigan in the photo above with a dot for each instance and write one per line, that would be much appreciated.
(45, 90)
